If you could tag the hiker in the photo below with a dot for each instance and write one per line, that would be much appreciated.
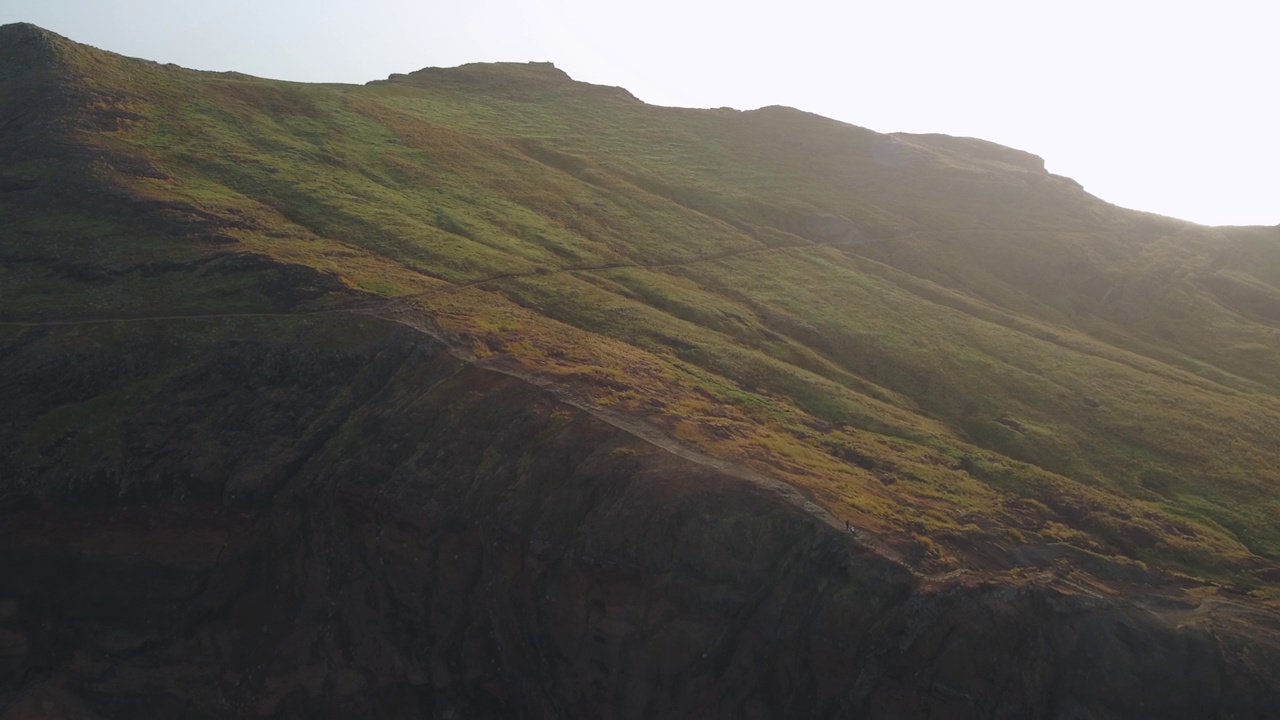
(853, 530)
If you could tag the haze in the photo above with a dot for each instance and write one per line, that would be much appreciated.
(1166, 107)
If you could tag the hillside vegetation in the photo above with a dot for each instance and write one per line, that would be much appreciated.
(973, 360)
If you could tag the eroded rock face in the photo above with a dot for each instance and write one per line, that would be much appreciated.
(252, 519)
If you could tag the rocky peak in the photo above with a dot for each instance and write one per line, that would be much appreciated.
(501, 78)
(24, 46)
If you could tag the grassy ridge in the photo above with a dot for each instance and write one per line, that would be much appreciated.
(931, 335)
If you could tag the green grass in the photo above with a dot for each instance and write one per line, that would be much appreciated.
(935, 346)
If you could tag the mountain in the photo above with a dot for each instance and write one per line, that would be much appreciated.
(485, 392)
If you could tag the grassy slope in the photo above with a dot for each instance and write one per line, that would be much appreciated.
(932, 335)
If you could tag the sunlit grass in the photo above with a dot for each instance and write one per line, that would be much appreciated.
(963, 349)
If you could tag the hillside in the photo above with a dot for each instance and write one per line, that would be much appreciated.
(298, 372)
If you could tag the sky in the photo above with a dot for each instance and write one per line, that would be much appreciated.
(1169, 107)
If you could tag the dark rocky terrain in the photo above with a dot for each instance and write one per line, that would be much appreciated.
(290, 527)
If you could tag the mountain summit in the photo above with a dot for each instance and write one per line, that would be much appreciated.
(532, 82)
(485, 392)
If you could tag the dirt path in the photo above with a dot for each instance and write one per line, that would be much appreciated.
(395, 311)
(403, 313)
(844, 245)
(170, 318)
(477, 282)
(1184, 611)
(639, 428)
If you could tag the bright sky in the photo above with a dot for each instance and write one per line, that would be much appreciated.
(1170, 107)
